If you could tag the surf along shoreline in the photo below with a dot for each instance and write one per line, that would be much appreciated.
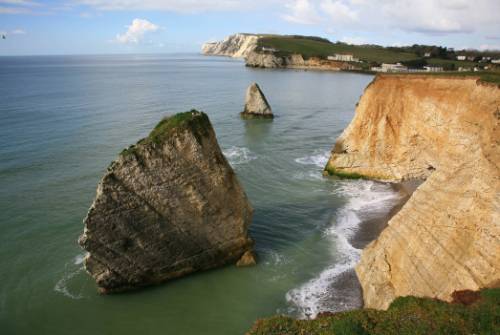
(368, 207)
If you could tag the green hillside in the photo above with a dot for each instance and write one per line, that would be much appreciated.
(309, 47)
(414, 56)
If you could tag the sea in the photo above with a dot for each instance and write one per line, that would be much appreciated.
(63, 119)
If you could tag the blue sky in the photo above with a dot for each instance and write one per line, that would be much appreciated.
(38, 27)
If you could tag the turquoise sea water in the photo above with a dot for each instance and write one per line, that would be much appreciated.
(64, 119)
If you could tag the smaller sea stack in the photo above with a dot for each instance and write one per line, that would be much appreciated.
(256, 105)
(166, 207)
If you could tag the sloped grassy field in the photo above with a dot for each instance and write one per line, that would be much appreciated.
(312, 47)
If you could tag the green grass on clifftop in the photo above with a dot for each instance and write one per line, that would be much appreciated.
(405, 316)
(193, 120)
(487, 77)
(318, 48)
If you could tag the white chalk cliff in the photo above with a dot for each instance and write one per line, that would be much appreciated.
(237, 45)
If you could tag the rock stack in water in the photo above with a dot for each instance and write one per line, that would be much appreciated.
(256, 104)
(168, 206)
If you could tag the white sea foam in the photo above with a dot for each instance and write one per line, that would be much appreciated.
(274, 258)
(319, 158)
(63, 285)
(276, 264)
(238, 155)
(79, 259)
(308, 175)
(316, 295)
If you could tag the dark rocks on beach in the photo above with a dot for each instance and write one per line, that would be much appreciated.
(168, 206)
(256, 105)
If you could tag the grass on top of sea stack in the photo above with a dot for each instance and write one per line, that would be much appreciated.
(471, 313)
(194, 120)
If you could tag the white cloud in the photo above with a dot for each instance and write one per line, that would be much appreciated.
(338, 11)
(431, 16)
(423, 16)
(18, 6)
(428, 16)
(170, 5)
(14, 10)
(428, 19)
(13, 32)
(136, 31)
(18, 32)
(353, 40)
(19, 2)
(483, 47)
(302, 12)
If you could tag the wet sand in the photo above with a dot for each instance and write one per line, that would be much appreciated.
(371, 228)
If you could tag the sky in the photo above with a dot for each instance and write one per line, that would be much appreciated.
(37, 27)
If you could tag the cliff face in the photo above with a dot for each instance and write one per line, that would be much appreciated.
(447, 236)
(296, 61)
(237, 45)
(168, 206)
(246, 46)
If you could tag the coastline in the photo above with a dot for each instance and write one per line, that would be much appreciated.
(370, 207)
(368, 231)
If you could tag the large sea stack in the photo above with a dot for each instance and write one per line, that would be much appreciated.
(168, 206)
(256, 104)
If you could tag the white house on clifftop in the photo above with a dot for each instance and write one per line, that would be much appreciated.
(398, 67)
(343, 58)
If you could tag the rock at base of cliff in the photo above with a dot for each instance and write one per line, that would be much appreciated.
(248, 259)
(256, 105)
(168, 206)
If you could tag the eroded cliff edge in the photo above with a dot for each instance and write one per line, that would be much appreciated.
(447, 236)
(168, 206)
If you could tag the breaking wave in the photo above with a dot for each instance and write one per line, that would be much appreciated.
(238, 155)
(319, 158)
(79, 259)
(318, 294)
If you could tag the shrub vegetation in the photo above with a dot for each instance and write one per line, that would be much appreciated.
(405, 316)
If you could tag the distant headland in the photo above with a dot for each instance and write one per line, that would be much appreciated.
(317, 53)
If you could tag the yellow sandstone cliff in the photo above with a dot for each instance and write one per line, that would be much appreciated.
(447, 236)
